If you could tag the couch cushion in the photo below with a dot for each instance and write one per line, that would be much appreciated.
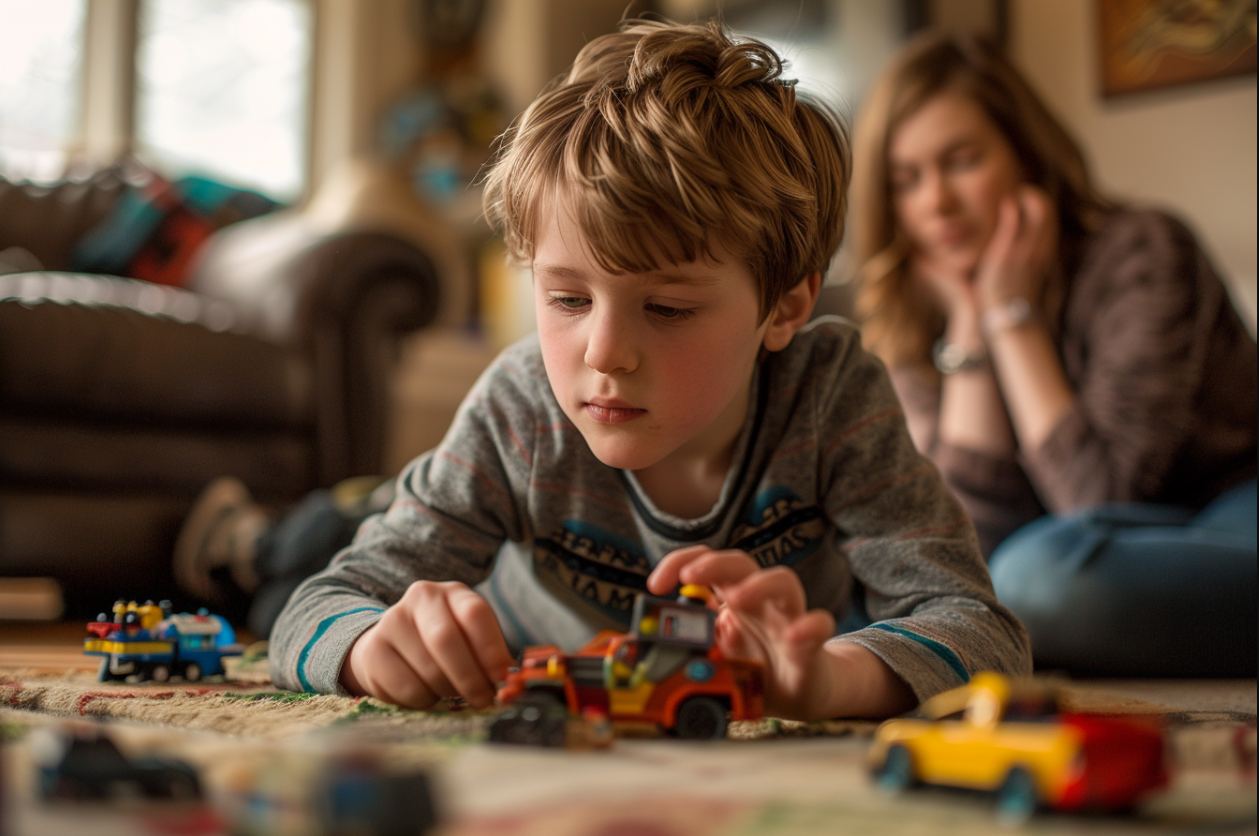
(93, 347)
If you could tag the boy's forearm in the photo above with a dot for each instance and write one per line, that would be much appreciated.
(862, 684)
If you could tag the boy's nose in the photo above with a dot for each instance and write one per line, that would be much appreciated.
(610, 348)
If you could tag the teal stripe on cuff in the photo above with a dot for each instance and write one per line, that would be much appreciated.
(319, 633)
(943, 651)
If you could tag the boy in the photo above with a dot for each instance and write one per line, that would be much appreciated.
(674, 420)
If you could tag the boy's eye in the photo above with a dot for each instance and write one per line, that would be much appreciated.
(570, 303)
(669, 312)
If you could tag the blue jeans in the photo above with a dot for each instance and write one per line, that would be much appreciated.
(1136, 589)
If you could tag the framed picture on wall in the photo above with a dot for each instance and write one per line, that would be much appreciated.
(1152, 44)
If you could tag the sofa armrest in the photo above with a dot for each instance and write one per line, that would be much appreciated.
(282, 274)
(343, 298)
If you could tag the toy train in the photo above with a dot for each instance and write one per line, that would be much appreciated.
(149, 642)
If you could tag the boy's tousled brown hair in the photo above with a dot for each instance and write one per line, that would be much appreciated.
(673, 138)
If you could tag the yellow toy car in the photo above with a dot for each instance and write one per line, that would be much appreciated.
(1010, 738)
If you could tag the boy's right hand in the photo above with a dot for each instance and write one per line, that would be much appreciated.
(440, 640)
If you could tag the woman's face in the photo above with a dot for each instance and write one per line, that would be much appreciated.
(949, 167)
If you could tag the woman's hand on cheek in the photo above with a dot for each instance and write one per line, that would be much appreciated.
(1024, 246)
(762, 616)
(948, 285)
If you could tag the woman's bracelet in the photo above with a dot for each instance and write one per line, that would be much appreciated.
(951, 358)
(1006, 315)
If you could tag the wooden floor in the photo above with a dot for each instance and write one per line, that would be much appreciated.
(44, 646)
(51, 647)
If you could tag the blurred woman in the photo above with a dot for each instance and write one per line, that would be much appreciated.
(1074, 368)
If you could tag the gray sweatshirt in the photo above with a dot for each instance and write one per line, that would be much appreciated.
(825, 480)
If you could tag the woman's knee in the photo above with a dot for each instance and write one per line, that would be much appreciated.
(1033, 569)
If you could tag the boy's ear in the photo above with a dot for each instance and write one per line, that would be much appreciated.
(792, 312)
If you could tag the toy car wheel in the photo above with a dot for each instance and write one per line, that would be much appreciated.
(701, 718)
(1017, 799)
(531, 724)
(159, 673)
(896, 774)
(104, 674)
(545, 698)
(192, 672)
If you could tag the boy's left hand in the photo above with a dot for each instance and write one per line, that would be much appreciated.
(763, 616)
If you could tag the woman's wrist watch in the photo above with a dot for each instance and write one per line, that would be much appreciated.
(951, 358)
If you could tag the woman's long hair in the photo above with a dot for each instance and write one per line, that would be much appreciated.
(899, 324)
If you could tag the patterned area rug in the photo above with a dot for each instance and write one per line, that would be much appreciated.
(244, 703)
(247, 707)
(773, 777)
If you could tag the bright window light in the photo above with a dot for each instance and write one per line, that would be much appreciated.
(222, 90)
(41, 46)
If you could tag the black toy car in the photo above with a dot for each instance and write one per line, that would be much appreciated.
(83, 764)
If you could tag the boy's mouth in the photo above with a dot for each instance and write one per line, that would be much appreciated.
(612, 411)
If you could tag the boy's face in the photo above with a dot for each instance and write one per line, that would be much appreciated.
(647, 365)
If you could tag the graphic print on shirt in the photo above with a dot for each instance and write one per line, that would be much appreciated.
(780, 529)
(600, 566)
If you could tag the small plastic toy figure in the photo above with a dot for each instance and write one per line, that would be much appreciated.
(666, 671)
(1010, 738)
(149, 642)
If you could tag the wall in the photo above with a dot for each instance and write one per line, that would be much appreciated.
(529, 42)
(367, 54)
(1190, 148)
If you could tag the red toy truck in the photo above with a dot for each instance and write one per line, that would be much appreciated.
(666, 671)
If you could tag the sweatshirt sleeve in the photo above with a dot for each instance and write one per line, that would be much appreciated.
(454, 508)
(1144, 305)
(908, 542)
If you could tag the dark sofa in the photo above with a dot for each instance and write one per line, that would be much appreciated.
(121, 399)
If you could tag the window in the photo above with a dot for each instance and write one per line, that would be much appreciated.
(40, 85)
(222, 89)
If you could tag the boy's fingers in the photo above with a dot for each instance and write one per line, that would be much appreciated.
(664, 578)
(450, 663)
(394, 680)
(738, 640)
(719, 568)
(419, 658)
(813, 629)
(480, 627)
(778, 585)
